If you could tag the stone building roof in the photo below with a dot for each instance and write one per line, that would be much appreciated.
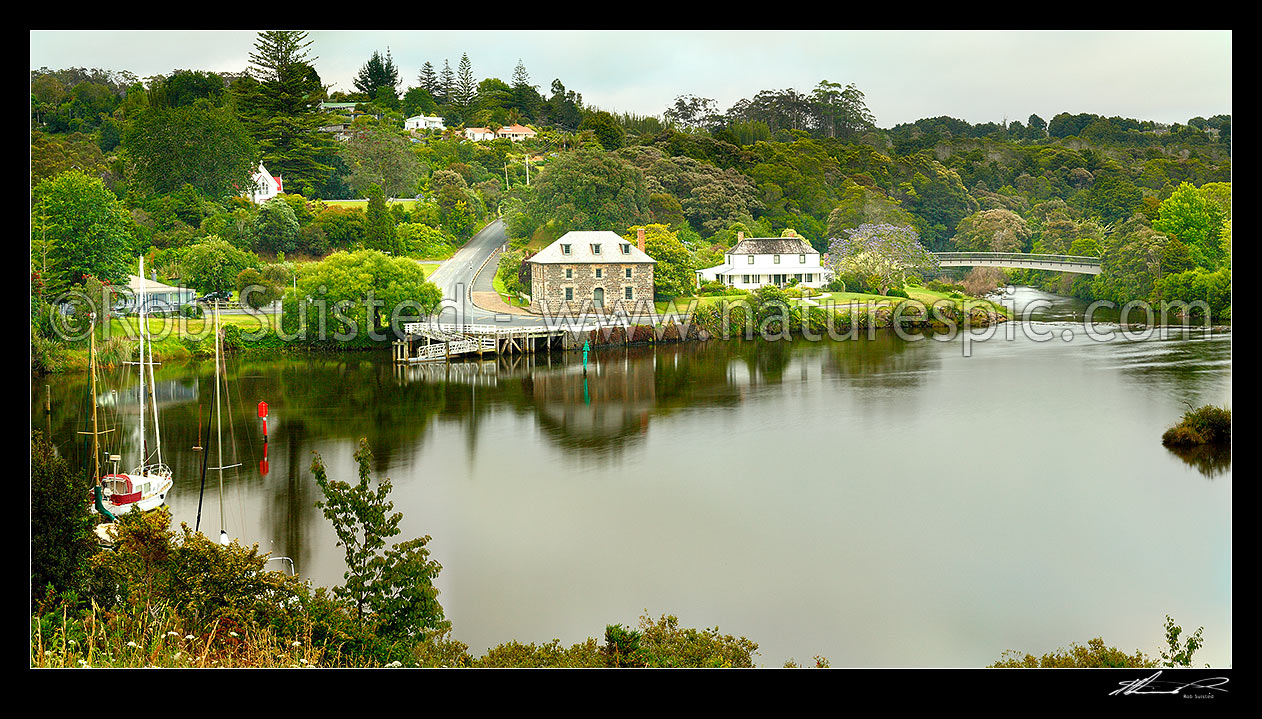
(773, 246)
(582, 245)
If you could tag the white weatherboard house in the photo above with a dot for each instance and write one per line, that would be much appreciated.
(759, 261)
(265, 186)
(424, 122)
(158, 297)
(478, 134)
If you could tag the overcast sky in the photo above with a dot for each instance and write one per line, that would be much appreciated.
(984, 76)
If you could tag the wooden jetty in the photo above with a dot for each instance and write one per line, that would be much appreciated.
(430, 341)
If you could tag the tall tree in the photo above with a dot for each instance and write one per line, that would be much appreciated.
(392, 588)
(446, 84)
(200, 144)
(279, 102)
(378, 155)
(466, 88)
(376, 74)
(526, 100)
(381, 232)
(428, 79)
(89, 232)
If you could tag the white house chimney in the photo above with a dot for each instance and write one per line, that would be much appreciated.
(740, 235)
(639, 238)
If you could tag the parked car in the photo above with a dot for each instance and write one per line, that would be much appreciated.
(218, 296)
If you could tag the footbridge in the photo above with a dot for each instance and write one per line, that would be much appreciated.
(1018, 260)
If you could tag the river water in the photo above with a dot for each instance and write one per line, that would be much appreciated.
(881, 502)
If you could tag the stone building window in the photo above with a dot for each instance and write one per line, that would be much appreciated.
(627, 290)
(595, 249)
(628, 273)
(569, 273)
(599, 273)
(565, 249)
(569, 294)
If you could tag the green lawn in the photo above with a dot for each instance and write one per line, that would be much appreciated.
(408, 205)
(842, 299)
(504, 294)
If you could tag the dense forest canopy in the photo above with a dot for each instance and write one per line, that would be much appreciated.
(812, 159)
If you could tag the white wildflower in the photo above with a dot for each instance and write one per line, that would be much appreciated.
(233, 634)
(178, 655)
(304, 661)
(133, 645)
(188, 636)
(297, 644)
(394, 665)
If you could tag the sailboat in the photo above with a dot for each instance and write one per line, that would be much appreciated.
(146, 486)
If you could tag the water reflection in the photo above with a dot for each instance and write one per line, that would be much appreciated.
(1211, 460)
(869, 474)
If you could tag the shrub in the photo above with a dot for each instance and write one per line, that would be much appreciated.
(896, 292)
(1205, 425)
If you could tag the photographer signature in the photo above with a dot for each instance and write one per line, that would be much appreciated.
(1149, 685)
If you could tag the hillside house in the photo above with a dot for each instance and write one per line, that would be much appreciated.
(424, 122)
(516, 133)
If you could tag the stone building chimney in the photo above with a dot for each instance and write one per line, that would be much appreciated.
(740, 236)
(639, 238)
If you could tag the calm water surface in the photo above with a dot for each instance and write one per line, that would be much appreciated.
(881, 502)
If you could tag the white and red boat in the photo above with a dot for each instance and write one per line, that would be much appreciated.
(145, 487)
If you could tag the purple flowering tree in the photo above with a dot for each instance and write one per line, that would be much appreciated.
(881, 255)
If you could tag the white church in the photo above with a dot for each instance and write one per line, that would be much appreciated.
(265, 186)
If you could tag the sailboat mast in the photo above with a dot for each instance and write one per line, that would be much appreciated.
(218, 422)
(157, 433)
(144, 442)
(96, 449)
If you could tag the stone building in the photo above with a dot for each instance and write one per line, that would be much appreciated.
(585, 270)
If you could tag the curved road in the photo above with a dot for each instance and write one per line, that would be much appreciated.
(455, 278)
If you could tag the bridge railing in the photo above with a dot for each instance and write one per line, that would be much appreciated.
(1018, 257)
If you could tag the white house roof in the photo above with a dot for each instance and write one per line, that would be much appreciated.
(581, 244)
(773, 246)
(151, 287)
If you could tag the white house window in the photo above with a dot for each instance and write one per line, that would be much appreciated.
(569, 273)
(776, 259)
(565, 249)
(751, 259)
(595, 249)
(810, 278)
(569, 293)
(802, 259)
(627, 291)
(628, 273)
(599, 273)
(626, 248)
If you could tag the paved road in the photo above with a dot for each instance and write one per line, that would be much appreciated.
(455, 279)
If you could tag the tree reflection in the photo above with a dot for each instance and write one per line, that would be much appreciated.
(1211, 460)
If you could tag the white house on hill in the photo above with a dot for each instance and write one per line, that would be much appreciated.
(424, 122)
(759, 261)
(265, 186)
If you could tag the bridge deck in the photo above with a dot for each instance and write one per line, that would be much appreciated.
(1018, 260)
